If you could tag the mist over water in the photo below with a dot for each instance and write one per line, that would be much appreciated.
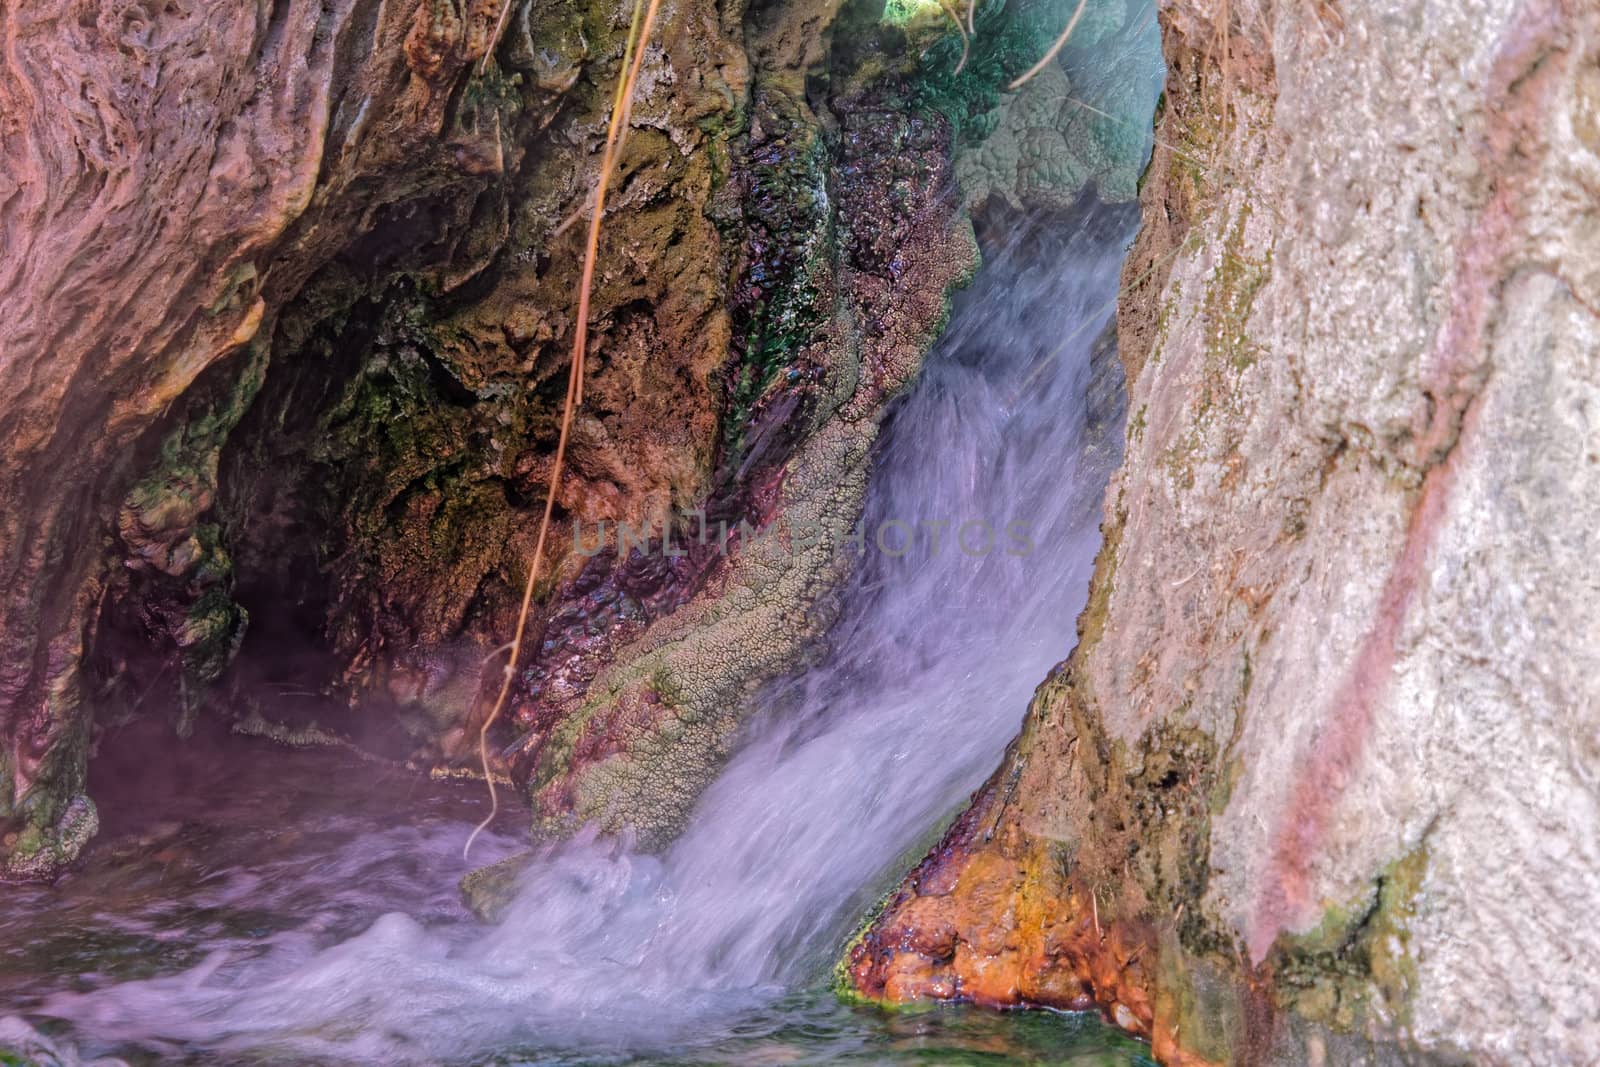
(846, 766)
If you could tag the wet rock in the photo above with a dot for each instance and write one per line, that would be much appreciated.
(488, 890)
(40, 851)
(172, 178)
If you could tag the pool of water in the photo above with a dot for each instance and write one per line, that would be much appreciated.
(230, 853)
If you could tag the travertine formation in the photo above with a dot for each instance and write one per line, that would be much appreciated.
(1319, 782)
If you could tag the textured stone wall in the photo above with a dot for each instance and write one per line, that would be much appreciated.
(172, 174)
(1318, 784)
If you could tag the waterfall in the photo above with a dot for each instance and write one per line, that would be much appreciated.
(979, 534)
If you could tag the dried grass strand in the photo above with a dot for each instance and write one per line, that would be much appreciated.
(622, 109)
(494, 38)
(1055, 49)
(966, 39)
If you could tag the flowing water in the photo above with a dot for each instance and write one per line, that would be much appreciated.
(258, 906)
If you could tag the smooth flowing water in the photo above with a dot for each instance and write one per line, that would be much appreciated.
(271, 907)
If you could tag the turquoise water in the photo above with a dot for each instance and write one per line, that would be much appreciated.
(814, 1028)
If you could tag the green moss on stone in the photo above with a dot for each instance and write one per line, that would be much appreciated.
(1356, 962)
(1230, 297)
(791, 230)
(1009, 39)
(56, 831)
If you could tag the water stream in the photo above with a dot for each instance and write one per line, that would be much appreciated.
(301, 907)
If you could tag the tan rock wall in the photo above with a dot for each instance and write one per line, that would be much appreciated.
(159, 200)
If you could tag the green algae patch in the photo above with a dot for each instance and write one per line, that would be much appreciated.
(1231, 295)
(179, 567)
(1007, 41)
(840, 982)
(53, 837)
(786, 298)
(487, 891)
(1207, 1007)
(1355, 965)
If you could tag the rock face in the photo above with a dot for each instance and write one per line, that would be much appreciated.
(173, 174)
(285, 324)
(1319, 782)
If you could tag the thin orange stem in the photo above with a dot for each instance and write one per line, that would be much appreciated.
(622, 109)
(1055, 49)
(966, 42)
